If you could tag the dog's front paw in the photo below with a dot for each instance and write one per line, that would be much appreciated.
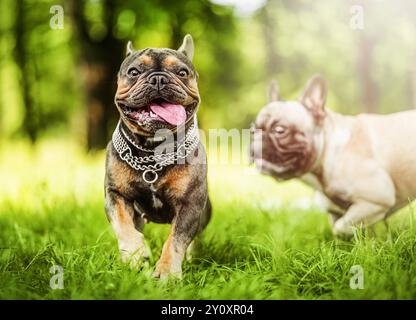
(343, 230)
(136, 256)
(165, 271)
(135, 260)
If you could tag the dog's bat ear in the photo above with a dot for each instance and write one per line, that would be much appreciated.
(273, 92)
(314, 96)
(129, 48)
(187, 47)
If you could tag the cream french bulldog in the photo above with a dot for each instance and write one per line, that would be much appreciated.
(365, 165)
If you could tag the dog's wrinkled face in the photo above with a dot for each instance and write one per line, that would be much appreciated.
(157, 88)
(286, 133)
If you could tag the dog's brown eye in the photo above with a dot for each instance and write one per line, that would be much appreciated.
(280, 130)
(133, 72)
(183, 73)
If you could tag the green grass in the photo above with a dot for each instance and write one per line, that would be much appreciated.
(259, 245)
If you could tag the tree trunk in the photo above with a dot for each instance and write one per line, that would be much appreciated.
(368, 86)
(268, 24)
(101, 60)
(21, 56)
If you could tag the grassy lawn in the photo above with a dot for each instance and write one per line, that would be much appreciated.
(264, 241)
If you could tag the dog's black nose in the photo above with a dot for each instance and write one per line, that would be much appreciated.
(159, 81)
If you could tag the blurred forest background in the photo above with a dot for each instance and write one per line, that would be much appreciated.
(61, 82)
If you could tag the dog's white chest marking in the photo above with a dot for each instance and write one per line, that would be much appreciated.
(157, 203)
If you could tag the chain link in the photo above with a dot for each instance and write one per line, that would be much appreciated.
(153, 163)
(190, 131)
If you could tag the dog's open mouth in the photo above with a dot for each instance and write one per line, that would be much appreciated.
(158, 110)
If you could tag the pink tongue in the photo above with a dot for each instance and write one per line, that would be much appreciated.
(174, 114)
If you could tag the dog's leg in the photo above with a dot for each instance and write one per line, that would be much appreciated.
(186, 225)
(131, 244)
(359, 214)
(333, 218)
(191, 249)
(196, 242)
(182, 233)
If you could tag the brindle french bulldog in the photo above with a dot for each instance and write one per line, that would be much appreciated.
(157, 97)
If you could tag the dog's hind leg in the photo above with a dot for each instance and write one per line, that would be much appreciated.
(206, 216)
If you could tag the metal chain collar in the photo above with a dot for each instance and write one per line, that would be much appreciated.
(151, 164)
